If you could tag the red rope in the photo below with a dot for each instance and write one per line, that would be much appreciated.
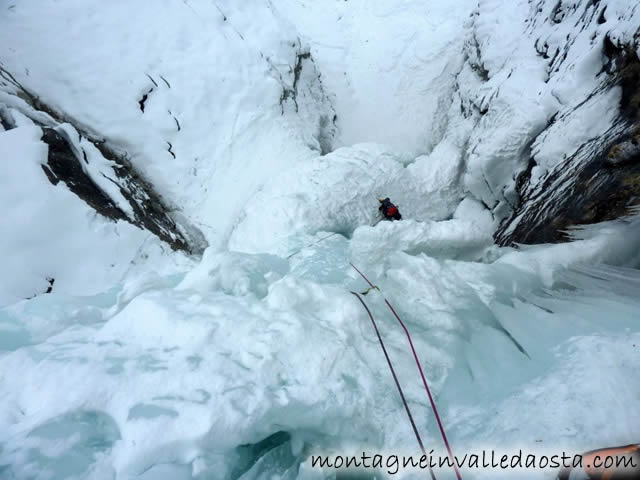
(395, 379)
(424, 380)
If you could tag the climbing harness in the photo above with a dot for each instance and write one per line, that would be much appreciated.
(424, 380)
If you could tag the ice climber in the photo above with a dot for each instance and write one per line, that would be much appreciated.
(388, 210)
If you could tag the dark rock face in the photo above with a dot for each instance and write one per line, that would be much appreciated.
(64, 166)
(6, 122)
(302, 86)
(69, 163)
(583, 190)
(600, 182)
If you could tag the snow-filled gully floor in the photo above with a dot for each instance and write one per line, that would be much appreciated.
(168, 376)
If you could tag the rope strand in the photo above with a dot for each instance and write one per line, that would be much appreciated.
(424, 379)
(395, 379)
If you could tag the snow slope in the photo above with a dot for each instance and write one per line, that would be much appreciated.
(87, 262)
(205, 100)
(390, 65)
(143, 363)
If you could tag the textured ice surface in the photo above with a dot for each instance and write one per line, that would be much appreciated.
(177, 378)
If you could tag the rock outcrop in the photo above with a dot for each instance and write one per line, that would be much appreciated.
(93, 170)
(600, 182)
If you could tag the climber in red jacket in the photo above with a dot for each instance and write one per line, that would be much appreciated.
(388, 210)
